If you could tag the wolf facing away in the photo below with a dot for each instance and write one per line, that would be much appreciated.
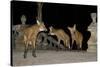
(76, 36)
(30, 36)
(61, 35)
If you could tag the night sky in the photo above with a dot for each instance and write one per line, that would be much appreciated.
(55, 14)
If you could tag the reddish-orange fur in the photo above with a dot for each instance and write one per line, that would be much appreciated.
(76, 36)
(30, 35)
(61, 35)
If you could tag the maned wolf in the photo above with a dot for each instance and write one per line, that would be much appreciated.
(30, 36)
(61, 35)
(76, 36)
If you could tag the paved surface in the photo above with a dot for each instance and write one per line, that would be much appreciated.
(52, 57)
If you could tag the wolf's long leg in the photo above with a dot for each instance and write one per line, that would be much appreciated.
(68, 43)
(34, 49)
(26, 50)
(72, 44)
(80, 46)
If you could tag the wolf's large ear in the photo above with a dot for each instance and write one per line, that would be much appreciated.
(69, 28)
(38, 22)
(50, 28)
(74, 27)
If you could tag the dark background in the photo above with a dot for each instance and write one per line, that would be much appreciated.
(55, 14)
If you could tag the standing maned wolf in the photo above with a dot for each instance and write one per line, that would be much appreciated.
(76, 36)
(61, 35)
(30, 36)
